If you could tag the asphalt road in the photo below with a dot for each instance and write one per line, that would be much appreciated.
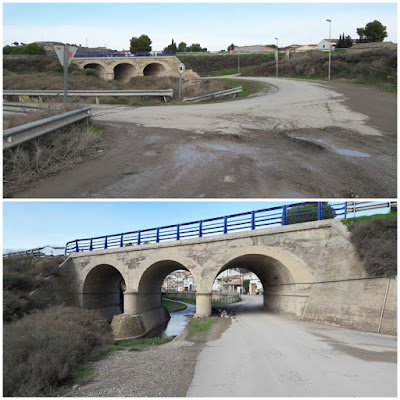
(300, 139)
(267, 355)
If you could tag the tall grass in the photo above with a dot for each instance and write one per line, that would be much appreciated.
(42, 350)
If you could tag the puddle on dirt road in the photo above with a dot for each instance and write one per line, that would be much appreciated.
(343, 152)
(178, 321)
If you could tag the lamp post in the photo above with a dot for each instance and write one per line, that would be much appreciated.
(277, 56)
(330, 50)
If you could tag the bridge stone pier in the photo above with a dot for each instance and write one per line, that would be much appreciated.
(124, 68)
(309, 271)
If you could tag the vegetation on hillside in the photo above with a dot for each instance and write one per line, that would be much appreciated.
(32, 49)
(369, 66)
(375, 240)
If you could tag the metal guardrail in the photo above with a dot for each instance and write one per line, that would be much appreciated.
(37, 252)
(120, 54)
(259, 219)
(214, 95)
(20, 134)
(91, 93)
(20, 108)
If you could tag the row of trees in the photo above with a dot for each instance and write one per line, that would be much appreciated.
(344, 42)
(143, 43)
(32, 48)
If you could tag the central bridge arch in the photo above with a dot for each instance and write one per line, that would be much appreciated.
(154, 69)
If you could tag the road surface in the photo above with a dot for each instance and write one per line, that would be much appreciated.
(299, 139)
(267, 355)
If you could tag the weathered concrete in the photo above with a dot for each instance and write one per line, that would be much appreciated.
(308, 270)
(124, 68)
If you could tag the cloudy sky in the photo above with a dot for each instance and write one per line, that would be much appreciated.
(213, 25)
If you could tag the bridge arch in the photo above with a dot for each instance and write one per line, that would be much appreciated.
(100, 70)
(286, 279)
(124, 72)
(102, 290)
(154, 69)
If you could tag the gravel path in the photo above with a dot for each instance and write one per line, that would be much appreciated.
(159, 371)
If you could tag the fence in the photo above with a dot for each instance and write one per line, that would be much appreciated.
(252, 220)
(218, 298)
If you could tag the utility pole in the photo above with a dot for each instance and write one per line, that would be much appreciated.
(277, 56)
(238, 64)
(330, 50)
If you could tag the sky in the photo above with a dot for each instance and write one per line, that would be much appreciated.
(31, 224)
(213, 25)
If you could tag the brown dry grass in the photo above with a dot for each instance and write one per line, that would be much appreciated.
(49, 154)
(42, 350)
(376, 243)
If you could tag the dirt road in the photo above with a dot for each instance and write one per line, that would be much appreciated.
(267, 355)
(300, 139)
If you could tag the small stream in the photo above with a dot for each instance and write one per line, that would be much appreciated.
(178, 321)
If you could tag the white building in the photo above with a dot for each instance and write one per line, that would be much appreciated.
(255, 286)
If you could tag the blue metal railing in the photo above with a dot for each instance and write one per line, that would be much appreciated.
(120, 54)
(274, 216)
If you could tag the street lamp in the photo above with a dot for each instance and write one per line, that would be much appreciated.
(330, 50)
(277, 56)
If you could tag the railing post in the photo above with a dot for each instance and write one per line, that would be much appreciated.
(225, 224)
(284, 215)
(138, 238)
(253, 220)
(91, 244)
(77, 246)
(177, 232)
(345, 210)
(201, 229)
(121, 244)
(105, 242)
(320, 211)
(158, 235)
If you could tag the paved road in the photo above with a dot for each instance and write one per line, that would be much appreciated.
(300, 139)
(267, 355)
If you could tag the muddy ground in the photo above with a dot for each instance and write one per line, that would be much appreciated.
(307, 140)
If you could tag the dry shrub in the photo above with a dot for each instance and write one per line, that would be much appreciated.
(376, 243)
(374, 65)
(49, 154)
(15, 306)
(41, 350)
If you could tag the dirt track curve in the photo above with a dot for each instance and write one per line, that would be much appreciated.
(298, 139)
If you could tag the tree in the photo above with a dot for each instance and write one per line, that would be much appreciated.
(142, 43)
(231, 47)
(182, 46)
(309, 212)
(340, 42)
(15, 43)
(373, 32)
(196, 47)
(271, 45)
(246, 286)
(171, 48)
(348, 42)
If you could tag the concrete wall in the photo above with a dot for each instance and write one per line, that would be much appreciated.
(308, 270)
(124, 68)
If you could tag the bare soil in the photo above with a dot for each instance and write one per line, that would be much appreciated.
(158, 371)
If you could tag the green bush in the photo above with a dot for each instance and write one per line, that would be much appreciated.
(309, 212)
(42, 350)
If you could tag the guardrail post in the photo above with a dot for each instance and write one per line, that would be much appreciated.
(284, 215)
(91, 244)
(158, 235)
(177, 232)
(138, 238)
(121, 244)
(200, 228)
(77, 246)
(225, 224)
(105, 242)
(253, 220)
(345, 210)
(320, 211)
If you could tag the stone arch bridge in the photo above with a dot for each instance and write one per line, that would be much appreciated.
(308, 270)
(124, 68)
